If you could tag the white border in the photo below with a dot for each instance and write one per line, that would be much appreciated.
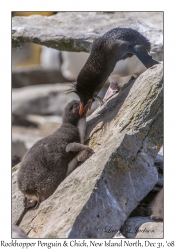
(5, 93)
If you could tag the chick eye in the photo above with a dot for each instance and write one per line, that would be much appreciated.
(75, 107)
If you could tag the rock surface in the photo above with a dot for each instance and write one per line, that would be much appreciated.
(142, 227)
(75, 31)
(151, 230)
(47, 99)
(23, 76)
(21, 143)
(25, 134)
(41, 99)
(17, 233)
(126, 135)
(143, 208)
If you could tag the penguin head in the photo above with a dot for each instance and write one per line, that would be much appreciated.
(85, 103)
(71, 113)
(86, 99)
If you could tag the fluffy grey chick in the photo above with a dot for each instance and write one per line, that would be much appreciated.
(45, 164)
(156, 207)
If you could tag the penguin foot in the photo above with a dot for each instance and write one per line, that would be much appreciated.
(29, 203)
(85, 154)
(84, 151)
(76, 147)
(112, 90)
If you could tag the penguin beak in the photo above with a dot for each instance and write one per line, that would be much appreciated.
(84, 108)
(81, 109)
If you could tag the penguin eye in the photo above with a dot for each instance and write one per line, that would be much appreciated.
(75, 107)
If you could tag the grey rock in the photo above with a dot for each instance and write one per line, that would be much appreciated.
(150, 230)
(75, 31)
(22, 55)
(132, 226)
(18, 146)
(142, 227)
(118, 235)
(27, 76)
(161, 151)
(159, 159)
(95, 200)
(23, 137)
(15, 160)
(157, 206)
(159, 165)
(21, 143)
(159, 183)
(143, 207)
(17, 233)
(42, 99)
(47, 99)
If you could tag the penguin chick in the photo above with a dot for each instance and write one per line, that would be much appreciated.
(118, 55)
(45, 164)
(84, 152)
(156, 207)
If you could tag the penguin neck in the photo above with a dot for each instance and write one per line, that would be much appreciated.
(81, 126)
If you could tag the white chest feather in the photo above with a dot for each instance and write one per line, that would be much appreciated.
(129, 66)
(125, 69)
(72, 165)
(82, 129)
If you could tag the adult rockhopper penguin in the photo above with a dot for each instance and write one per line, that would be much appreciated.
(118, 55)
(46, 164)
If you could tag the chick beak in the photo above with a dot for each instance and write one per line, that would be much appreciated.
(81, 109)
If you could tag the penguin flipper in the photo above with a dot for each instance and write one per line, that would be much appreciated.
(142, 54)
(84, 151)
(76, 147)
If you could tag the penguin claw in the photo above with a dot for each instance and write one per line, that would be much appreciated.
(84, 151)
(85, 154)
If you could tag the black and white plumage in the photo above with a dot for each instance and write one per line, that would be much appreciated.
(46, 163)
(118, 55)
